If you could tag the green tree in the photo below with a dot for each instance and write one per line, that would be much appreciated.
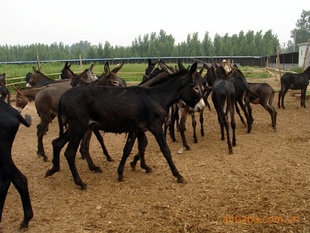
(218, 45)
(207, 46)
(194, 45)
(301, 33)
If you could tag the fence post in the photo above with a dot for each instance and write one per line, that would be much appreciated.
(80, 57)
(38, 61)
(278, 61)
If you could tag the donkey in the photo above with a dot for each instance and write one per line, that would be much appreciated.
(179, 107)
(264, 96)
(4, 91)
(38, 79)
(108, 78)
(66, 72)
(10, 120)
(25, 95)
(46, 103)
(185, 110)
(224, 98)
(294, 82)
(108, 109)
(173, 114)
(242, 89)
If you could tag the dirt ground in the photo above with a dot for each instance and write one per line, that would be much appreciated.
(263, 187)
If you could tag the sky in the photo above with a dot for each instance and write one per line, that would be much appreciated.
(121, 22)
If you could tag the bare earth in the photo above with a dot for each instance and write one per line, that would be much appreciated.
(263, 187)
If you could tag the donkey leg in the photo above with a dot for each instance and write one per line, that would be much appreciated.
(20, 182)
(84, 150)
(303, 97)
(70, 154)
(160, 138)
(226, 125)
(194, 125)
(134, 161)
(141, 148)
(182, 128)
(174, 120)
(282, 97)
(233, 126)
(279, 98)
(274, 118)
(205, 98)
(241, 118)
(273, 114)
(100, 140)
(171, 129)
(201, 119)
(220, 120)
(58, 144)
(4, 187)
(131, 138)
(41, 130)
(142, 144)
(249, 124)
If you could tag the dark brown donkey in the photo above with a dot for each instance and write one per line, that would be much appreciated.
(38, 79)
(108, 109)
(111, 79)
(264, 96)
(4, 91)
(294, 82)
(46, 103)
(10, 120)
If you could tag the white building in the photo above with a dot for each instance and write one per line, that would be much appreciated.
(304, 50)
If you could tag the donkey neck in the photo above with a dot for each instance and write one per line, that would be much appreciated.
(167, 92)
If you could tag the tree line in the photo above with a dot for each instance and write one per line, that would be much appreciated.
(150, 45)
(243, 44)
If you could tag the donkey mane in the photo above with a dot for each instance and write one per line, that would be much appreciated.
(39, 72)
(161, 77)
(307, 71)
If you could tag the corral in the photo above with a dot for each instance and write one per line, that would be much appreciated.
(262, 187)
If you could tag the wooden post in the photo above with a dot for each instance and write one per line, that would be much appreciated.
(81, 63)
(305, 57)
(278, 61)
(38, 61)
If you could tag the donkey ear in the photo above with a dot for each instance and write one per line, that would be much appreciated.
(116, 69)
(193, 68)
(164, 66)
(180, 65)
(107, 68)
(201, 70)
(17, 89)
(206, 65)
(91, 67)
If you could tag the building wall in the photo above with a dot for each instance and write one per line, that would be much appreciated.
(304, 54)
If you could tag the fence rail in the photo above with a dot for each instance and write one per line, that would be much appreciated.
(21, 80)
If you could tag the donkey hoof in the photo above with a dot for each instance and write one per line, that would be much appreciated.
(51, 172)
(148, 170)
(133, 165)
(180, 179)
(96, 169)
(83, 186)
(120, 178)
